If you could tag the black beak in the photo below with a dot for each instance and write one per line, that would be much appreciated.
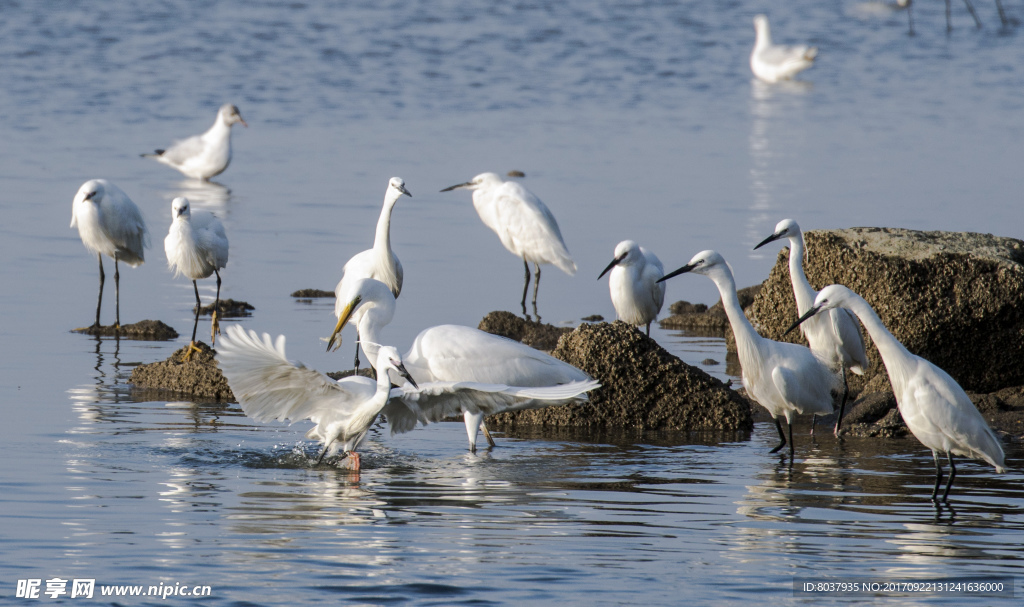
(814, 310)
(91, 194)
(404, 191)
(771, 238)
(614, 263)
(404, 373)
(681, 270)
(455, 187)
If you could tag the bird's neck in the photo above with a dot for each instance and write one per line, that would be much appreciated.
(382, 238)
(741, 327)
(802, 288)
(219, 130)
(894, 354)
(764, 38)
(369, 338)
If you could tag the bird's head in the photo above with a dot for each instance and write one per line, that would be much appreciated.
(832, 296)
(396, 187)
(366, 296)
(91, 191)
(626, 252)
(761, 23)
(480, 181)
(784, 229)
(229, 115)
(704, 262)
(388, 359)
(180, 207)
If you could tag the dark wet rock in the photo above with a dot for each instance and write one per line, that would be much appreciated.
(199, 377)
(229, 308)
(515, 173)
(593, 318)
(365, 372)
(709, 362)
(312, 293)
(711, 322)
(643, 387)
(147, 330)
(1003, 410)
(953, 298)
(685, 307)
(536, 334)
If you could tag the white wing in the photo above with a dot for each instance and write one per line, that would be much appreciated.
(847, 330)
(268, 387)
(183, 150)
(211, 237)
(123, 224)
(653, 270)
(436, 401)
(530, 227)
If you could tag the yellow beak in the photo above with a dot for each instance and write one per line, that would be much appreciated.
(342, 321)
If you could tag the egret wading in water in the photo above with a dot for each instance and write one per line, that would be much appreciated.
(934, 407)
(783, 378)
(835, 337)
(380, 262)
(196, 246)
(207, 155)
(453, 353)
(636, 293)
(775, 62)
(109, 224)
(523, 223)
(269, 387)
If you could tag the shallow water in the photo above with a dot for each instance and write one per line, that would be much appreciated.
(631, 120)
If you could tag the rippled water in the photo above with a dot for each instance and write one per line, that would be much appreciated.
(631, 120)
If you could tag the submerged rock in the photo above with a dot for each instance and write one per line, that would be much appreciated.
(199, 377)
(229, 308)
(953, 298)
(643, 387)
(532, 333)
(711, 322)
(146, 330)
(312, 293)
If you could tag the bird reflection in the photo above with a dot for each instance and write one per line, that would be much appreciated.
(206, 195)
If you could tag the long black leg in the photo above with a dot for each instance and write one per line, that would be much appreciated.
(970, 9)
(782, 436)
(938, 477)
(814, 419)
(117, 295)
(1002, 13)
(910, 16)
(842, 404)
(357, 353)
(215, 324)
(952, 475)
(526, 285)
(949, 23)
(198, 304)
(790, 424)
(648, 329)
(99, 300)
(536, 286)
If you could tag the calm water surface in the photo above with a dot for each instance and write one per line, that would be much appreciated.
(631, 120)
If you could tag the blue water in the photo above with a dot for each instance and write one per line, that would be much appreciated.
(631, 120)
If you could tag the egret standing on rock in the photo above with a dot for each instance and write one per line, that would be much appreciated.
(783, 378)
(207, 155)
(109, 224)
(774, 62)
(523, 223)
(452, 353)
(196, 246)
(935, 407)
(270, 387)
(636, 293)
(380, 262)
(835, 337)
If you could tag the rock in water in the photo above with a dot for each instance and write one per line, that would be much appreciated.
(953, 298)
(643, 387)
(199, 377)
(532, 333)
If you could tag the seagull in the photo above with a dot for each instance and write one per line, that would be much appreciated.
(196, 246)
(935, 407)
(453, 353)
(380, 262)
(207, 155)
(774, 62)
(109, 224)
(783, 378)
(835, 337)
(269, 387)
(523, 223)
(636, 293)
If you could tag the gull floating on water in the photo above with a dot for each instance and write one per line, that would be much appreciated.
(523, 223)
(207, 155)
(774, 62)
(269, 387)
(636, 293)
(935, 407)
(109, 224)
(196, 246)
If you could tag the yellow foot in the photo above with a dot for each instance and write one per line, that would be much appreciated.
(192, 347)
(214, 329)
(352, 461)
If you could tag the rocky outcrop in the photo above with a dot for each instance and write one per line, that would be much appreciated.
(312, 293)
(952, 298)
(229, 308)
(532, 333)
(643, 387)
(199, 377)
(699, 319)
(146, 330)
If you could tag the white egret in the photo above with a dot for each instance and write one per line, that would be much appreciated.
(636, 293)
(783, 378)
(774, 62)
(196, 246)
(207, 155)
(109, 224)
(935, 407)
(269, 387)
(452, 353)
(835, 337)
(380, 262)
(523, 223)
